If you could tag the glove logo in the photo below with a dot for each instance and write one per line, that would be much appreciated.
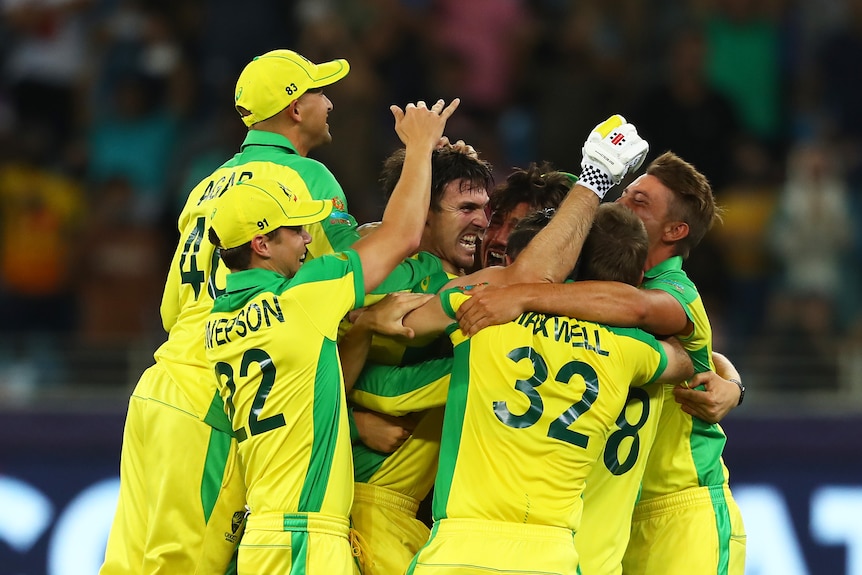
(618, 139)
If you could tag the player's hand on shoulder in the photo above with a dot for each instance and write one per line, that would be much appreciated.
(718, 397)
(489, 305)
(419, 125)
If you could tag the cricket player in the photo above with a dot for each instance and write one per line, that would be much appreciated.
(182, 503)
(271, 342)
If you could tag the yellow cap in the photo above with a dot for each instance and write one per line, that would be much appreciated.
(258, 207)
(269, 83)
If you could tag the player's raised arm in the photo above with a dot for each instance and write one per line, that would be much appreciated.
(400, 232)
(611, 150)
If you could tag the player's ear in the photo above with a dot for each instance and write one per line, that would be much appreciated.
(260, 245)
(676, 231)
(293, 111)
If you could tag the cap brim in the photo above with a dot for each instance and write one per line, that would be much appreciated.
(330, 72)
(310, 212)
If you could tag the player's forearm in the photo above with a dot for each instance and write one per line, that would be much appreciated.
(611, 303)
(724, 367)
(399, 233)
(679, 367)
(407, 208)
(353, 350)
(551, 255)
(427, 320)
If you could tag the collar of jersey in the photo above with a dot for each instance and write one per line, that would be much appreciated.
(244, 286)
(673, 263)
(264, 138)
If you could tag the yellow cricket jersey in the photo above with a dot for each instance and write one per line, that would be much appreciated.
(687, 451)
(272, 344)
(197, 276)
(633, 447)
(419, 391)
(394, 383)
(420, 273)
(530, 406)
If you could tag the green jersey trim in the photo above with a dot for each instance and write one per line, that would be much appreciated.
(214, 466)
(420, 273)
(366, 462)
(298, 551)
(723, 528)
(394, 381)
(644, 337)
(325, 414)
(243, 286)
(668, 276)
(216, 416)
(453, 426)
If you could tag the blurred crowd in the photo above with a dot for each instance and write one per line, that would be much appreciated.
(111, 110)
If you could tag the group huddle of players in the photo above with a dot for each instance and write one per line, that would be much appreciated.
(548, 370)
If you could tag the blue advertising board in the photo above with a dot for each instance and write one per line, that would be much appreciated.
(798, 482)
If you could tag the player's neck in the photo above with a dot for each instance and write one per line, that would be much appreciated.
(658, 254)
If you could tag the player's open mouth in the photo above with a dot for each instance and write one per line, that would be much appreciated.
(302, 257)
(495, 258)
(468, 242)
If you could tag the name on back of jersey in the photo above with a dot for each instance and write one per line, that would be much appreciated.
(563, 329)
(251, 318)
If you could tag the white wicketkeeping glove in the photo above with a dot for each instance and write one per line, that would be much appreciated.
(612, 150)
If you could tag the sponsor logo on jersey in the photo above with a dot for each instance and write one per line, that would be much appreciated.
(237, 520)
(675, 285)
(339, 218)
(235, 523)
(338, 205)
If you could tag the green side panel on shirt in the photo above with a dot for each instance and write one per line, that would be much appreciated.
(326, 413)
(267, 147)
(214, 466)
(366, 462)
(648, 339)
(216, 416)
(453, 425)
(393, 381)
(415, 274)
(707, 444)
(244, 286)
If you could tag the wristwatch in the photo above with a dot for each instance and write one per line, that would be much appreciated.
(741, 390)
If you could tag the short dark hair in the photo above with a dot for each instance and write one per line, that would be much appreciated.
(616, 247)
(540, 186)
(526, 229)
(238, 258)
(693, 201)
(448, 164)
